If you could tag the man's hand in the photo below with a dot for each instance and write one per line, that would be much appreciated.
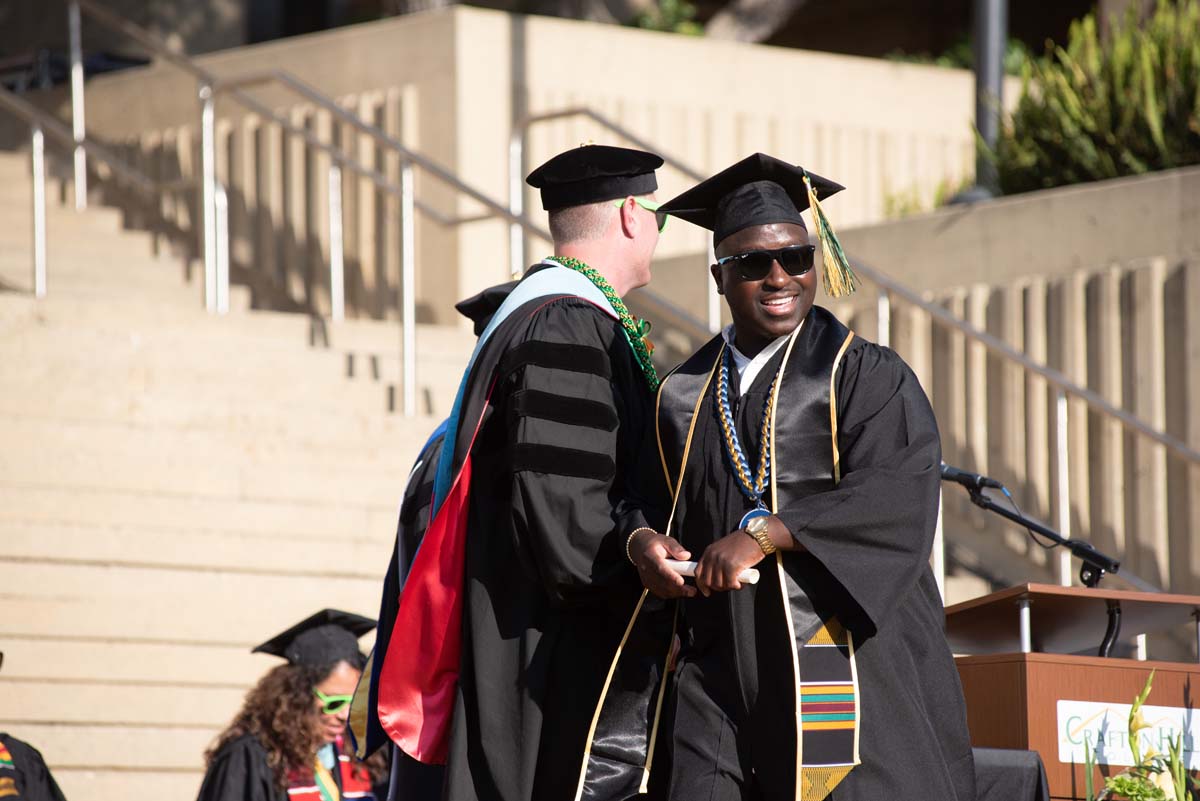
(724, 560)
(650, 551)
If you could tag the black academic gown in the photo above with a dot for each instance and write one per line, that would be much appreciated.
(240, 772)
(548, 591)
(867, 526)
(28, 778)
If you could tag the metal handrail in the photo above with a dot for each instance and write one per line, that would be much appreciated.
(314, 96)
(612, 125)
(518, 222)
(56, 129)
(1003, 349)
(889, 287)
(215, 244)
(210, 85)
(42, 122)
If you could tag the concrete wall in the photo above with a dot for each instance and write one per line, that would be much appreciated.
(455, 81)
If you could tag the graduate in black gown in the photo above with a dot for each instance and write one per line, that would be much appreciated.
(23, 773)
(791, 446)
(498, 661)
(289, 739)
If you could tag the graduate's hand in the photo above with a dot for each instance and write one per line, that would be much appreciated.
(724, 560)
(650, 551)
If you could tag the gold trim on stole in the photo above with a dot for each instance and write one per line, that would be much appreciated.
(587, 748)
(783, 590)
(837, 478)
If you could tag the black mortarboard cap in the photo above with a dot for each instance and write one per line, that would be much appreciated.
(757, 190)
(592, 173)
(327, 637)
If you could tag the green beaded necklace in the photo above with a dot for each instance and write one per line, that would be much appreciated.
(635, 330)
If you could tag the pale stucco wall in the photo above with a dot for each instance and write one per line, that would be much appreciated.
(881, 128)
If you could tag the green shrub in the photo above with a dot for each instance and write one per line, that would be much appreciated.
(671, 16)
(1104, 107)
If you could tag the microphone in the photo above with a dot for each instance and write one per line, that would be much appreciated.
(972, 481)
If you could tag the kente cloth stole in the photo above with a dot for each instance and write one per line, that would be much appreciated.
(325, 783)
(828, 710)
(826, 680)
(8, 781)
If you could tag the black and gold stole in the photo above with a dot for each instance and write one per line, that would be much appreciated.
(804, 459)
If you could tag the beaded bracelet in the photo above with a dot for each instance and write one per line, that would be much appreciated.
(629, 542)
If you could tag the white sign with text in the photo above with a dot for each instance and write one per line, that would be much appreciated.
(1105, 727)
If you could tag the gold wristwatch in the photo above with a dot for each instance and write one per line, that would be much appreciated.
(757, 528)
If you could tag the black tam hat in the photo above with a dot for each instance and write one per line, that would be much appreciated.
(760, 190)
(757, 190)
(592, 173)
(328, 637)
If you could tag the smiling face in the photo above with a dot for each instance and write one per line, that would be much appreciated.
(342, 680)
(772, 307)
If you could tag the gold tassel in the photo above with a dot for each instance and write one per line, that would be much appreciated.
(840, 280)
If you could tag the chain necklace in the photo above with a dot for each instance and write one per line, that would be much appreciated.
(635, 330)
(751, 488)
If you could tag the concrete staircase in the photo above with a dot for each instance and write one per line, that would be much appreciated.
(174, 488)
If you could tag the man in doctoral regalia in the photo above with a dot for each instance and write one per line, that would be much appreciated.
(499, 660)
(790, 446)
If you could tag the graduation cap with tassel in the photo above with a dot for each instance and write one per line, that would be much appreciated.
(759, 190)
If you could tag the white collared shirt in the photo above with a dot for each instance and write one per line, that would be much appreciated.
(748, 368)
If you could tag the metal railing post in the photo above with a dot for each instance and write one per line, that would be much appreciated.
(78, 129)
(221, 215)
(1063, 484)
(516, 202)
(208, 180)
(337, 276)
(714, 297)
(408, 301)
(883, 317)
(38, 153)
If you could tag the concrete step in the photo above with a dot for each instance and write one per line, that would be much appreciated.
(123, 663)
(234, 348)
(95, 702)
(99, 783)
(72, 748)
(364, 556)
(100, 456)
(181, 512)
(132, 315)
(158, 605)
(191, 408)
(61, 221)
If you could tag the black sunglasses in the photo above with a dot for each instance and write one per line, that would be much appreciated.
(755, 265)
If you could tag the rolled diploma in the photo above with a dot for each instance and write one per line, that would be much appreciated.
(747, 576)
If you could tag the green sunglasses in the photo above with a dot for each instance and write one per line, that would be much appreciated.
(332, 704)
(660, 217)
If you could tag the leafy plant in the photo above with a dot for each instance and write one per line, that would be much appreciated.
(672, 16)
(1104, 107)
(1153, 777)
(961, 55)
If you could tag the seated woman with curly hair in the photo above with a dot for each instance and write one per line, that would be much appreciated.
(287, 742)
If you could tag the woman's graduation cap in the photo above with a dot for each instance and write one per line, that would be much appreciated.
(328, 637)
(759, 190)
(592, 173)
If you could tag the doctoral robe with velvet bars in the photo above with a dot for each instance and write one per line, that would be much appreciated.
(548, 590)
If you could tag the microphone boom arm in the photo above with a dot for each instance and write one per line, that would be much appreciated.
(1094, 563)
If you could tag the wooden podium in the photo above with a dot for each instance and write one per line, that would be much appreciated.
(1022, 647)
